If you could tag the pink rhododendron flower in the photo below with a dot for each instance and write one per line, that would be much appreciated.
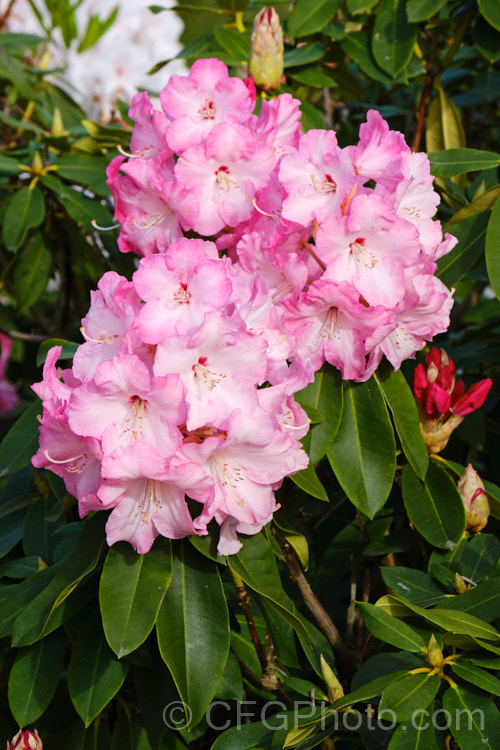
(8, 395)
(306, 252)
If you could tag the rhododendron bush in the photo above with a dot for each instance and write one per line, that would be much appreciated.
(255, 502)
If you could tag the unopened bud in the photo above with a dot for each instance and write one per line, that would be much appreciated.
(25, 740)
(266, 50)
(334, 688)
(473, 494)
(434, 653)
(58, 129)
(460, 585)
(37, 164)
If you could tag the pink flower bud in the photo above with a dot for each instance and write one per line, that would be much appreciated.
(441, 399)
(473, 494)
(25, 740)
(266, 50)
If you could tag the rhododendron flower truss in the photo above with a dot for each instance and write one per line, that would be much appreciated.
(299, 252)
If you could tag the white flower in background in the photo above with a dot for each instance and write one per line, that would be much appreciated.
(117, 64)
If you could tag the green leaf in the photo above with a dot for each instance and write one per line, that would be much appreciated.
(474, 719)
(455, 621)
(11, 531)
(434, 506)
(83, 169)
(32, 272)
(486, 39)
(34, 677)
(413, 585)
(308, 18)
(67, 352)
(231, 685)
(359, 6)
(307, 480)
(357, 45)
(324, 396)
(444, 125)
(21, 568)
(363, 454)
(393, 37)
(476, 676)
(402, 404)
(418, 734)
(21, 441)
(490, 9)
(313, 76)
(390, 630)
(471, 234)
(38, 531)
(45, 612)
(422, 10)
(14, 71)
(492, 249)
(14, 599)
(303, 55)
(131, 591)
(7, 164)
(256, 565)
(482, 601)
(480, 557)
(370, 689)
(296, 540)
(80, 208)
(404, 697)
(25, 210)
(244, 737)
(455, 161)
(193, 629)
(232, 41)
(483, 202)
(94, 674)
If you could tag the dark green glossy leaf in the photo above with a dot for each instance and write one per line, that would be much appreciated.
(404, 411)
(487, 39)
(14, 599)
(357, 46)
(434, 506)
(32, 272)
(244, 737)
(421, 10)
(67, 351)
(7, 164)
(491, 249)
(371, 689)
(307, 18)
(358, 6)
(391, 630)
(417, 734)
(315, 76)
(476, 676)
(490, 9)
(480, 557)
(471, 234)
(11, 531)
(14, 71)
(94, 674)
(21, 568)
(38, 532)
(21, 442)
(324, 396)
(34, 677)
(404, 697)
(234, 42)
(256, 565)
(414, 585)
(193, 629)
(393, 37)
(474, 718)
(455, 621)
(307, 53)
(40, 616)
(363, 454)
(131, 591)
(83, 169)
(80, 208)
(307, 480)
(482, 601)
(25, 210)
(454, 161)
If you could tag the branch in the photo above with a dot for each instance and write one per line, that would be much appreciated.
(323, 620)
(263, 683)
(247, 609)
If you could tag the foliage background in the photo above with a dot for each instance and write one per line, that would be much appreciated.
(97, 642)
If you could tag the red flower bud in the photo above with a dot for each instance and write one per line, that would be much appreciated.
(25, 740)
(441, 400)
